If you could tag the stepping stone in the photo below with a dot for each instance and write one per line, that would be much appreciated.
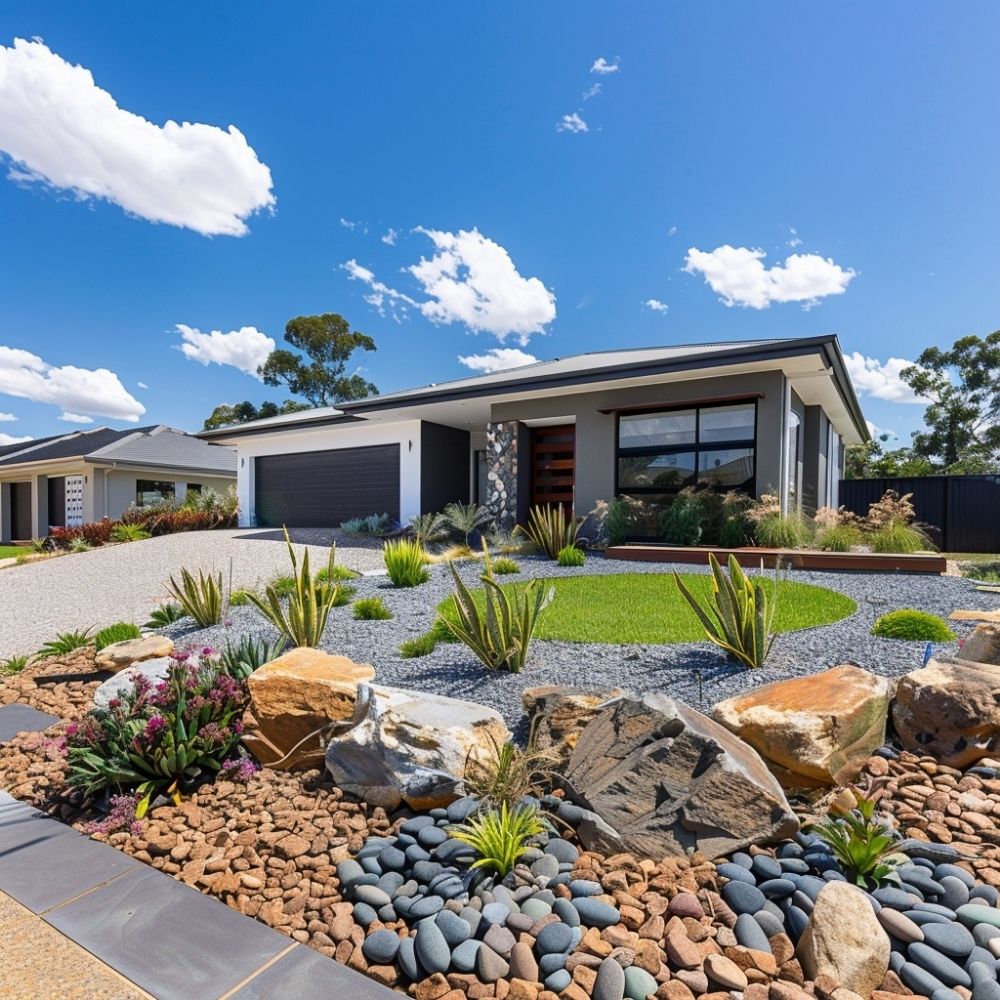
(17, 718)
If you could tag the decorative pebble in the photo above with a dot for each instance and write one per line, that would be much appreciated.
(610, 981)
(558, 981)
(432, 949)
(495, 913)
(554, 938)
(500, 939)
(594, 913)
(381, 947)
(725, 972)
(453, 927)
(765, 868)
(949, 939)
(919, 979)
(741, 897)
(464, 956)
(777, 888)
(584, 887)
(899, 926)
(406, 958)
(461, 809)
(364, 914)
(639, 984)
(938, 965)
(426, 906)
(489, 965)
(686, 904)
(750, 933)
(562, 850)
(974, 913)
(736, 873)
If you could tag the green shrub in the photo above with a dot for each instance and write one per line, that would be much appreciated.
(428, 528)
(551, 529)
(504, 566)
(13, 665)
(338, 574)
(500, 837)
(65, 643)
(405, 562)
(129, 533)
(283, 585)
(897, 537)
(79, 545)
(867, 850)
(681, 522)
(166, 614)
(838, 538)
(345, 594)
(200, 597)
(159, 741)
(371, 609)
(916, 626)
(249, 653)
(302, 620)
(781, 531)
(742, 618)
(421, 645)
(465, 518)
(118, 632)
(501, 633)
(570, 556)
(373, 524)
(39, 545)
(240, 597)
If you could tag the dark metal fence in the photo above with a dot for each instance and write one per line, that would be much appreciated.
(963, 511)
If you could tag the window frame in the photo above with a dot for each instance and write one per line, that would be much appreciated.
(697, 447)
(154, 482)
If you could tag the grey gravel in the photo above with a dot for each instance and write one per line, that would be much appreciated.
(697, 673)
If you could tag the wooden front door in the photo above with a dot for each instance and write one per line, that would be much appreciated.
(553, 465)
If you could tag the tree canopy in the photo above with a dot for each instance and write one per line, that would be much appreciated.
(240, 413)
(318, 373)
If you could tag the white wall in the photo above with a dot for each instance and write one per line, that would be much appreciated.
(405, 433)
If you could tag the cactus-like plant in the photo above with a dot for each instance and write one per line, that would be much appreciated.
(741, 617)
(551, 529)
(200, 597)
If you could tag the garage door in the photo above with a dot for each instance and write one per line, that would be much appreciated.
(320, 489)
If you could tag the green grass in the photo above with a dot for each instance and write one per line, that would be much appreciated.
(912, 625)
(648, 608)
(13, 551)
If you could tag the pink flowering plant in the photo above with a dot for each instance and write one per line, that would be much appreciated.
(160, 739)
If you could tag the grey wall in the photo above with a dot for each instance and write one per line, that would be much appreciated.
(444, 466)
(121, 488)
(595, 431)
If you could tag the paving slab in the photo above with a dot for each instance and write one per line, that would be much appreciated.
(17, 718)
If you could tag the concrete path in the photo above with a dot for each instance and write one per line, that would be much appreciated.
(126, 582)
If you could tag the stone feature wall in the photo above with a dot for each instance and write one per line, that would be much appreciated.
(501, 472)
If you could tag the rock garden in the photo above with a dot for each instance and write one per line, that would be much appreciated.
(762, 786)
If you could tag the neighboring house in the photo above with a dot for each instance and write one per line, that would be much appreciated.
(771, 415)
(83, 476)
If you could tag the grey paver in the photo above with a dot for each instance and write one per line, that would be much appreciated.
(16, 719)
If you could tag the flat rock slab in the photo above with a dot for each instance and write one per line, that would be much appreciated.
(16, 719)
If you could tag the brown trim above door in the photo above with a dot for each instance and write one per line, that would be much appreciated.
(553, 464)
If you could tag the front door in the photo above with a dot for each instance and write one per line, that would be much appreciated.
(553, 465)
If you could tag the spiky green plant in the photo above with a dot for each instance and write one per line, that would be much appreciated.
(419, 645)
(13, 664)
(551, 529)
(39, 545)
(118, 632)
(899, 537)
(505, 566)
(337, 574)
(200, 596)
(428, 528)
(129, 533)
(741, 618)
(249, 653)
(501, 633)
(571, 556)
(867, 849)
(465, 518)
(405, 562)
(371, 609)
(79, 545)
(506, 772)
(838, 538)
(240, 597)
(500, 837)
(164, 615)
(303, 619)
(65, 643)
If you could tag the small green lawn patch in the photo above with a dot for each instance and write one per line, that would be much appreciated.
(13, 551)
(648, 608)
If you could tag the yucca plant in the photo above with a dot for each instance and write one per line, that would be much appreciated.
(65, 643)
(129, 533)
(164, 615)
(501, 633)
(867, 849)
(405, 562)
(742, 618)
(249, 653)
(465, 518)
(200, 596)
(118, 632)
(428, 528)
(500, 837)
(551, 529)
(304, 618)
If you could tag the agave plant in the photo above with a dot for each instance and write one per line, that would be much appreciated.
(741, 618)
(164, 615)
(241, 658)
(200, 597)
(302, 620)
(551, 529)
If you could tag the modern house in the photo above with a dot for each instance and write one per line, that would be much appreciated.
(83, 476)
(770, 415)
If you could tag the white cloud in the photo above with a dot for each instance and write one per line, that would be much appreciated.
(656, 305)
(572, 123)
(793, 238)
(349, 223)
(60, 129)
(75, 390)
(603, 67)
(7, 418)
(470, 280)
(873, 378)
(390, 237)
(6, 439)
(246, 348)
(142, 385)
(592, 91)
(738, 275)
(672, 231)
(75, 418)
(498, 359)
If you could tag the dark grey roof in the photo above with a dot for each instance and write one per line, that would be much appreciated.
(155, 445)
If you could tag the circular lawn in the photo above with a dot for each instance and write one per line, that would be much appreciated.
(648, 607)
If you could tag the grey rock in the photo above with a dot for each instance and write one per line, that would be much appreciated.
(381, 947)
(768, 922)
(919, 979)
(750, 933)
(465, 955)
(453, 927)
(777, 888)
(522, 963)
(639, 984)
(348, 872)
(489, 965)
(741, 897)
(949, 939)
(364, 914)
(562, 850)
(536, 908)
(495, 913)
(558, 981)
(372, 895)
(426, 906)
(736, 873)
(554, 938)
(114, 687)
(594, 913)
(940, 966)
(584, 887)
(764, 868)
(461, 809)
(566, 912)
(548, 964)
(610, 982)
(406, 959)
(500, 939)
(899, 926)
(392, 859)
(432, 949)
(546, 866)
(432, 836)
(954, 892)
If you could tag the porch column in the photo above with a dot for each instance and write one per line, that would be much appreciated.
(501, 472)
(5, 524)
(39, 506)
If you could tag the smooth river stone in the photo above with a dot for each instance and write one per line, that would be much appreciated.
(381, 947)
(432, 948)
(639, 984)
(453, 927)
(554, 939)
(949, 939)
(594, 913)
(741, 897)
(972, 914)
(489, 965)
(750, 934)
(610, 982)
(938, 965)
(736, 873)
(464, 956)
(406, 958)
(899, 926)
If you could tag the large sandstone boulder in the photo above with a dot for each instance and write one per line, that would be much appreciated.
(412, 747)
(666, 779)
(845, 941)
(295, 695)
(983, 646)
(557, 714)
(120, 655)
(816, 730)
(949, 709)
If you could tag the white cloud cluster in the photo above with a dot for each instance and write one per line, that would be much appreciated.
(8, 439)
(7, 418)
(246, 348)
(872, 377)
(497, 359)
(390, 237)
(793, 238)
(572, 123)
(656, 305)
(74, 390)
(469, 280)
(603, 67)
(75, 418)
(739, 276)
(62, 130)
(592, 91)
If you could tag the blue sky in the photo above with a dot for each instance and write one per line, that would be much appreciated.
(867, 132)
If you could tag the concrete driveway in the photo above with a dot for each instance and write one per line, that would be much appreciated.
(126, 582)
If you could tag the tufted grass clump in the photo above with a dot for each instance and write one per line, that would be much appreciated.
(839, 538)
(118, 632)
(505, 566)
(912, 625)
(421, 645)
(65, 643)
(897, 537)
(405, 562)
(371, 609)
(570, 556)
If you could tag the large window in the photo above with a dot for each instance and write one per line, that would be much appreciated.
(150, 491)
(661, 453)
